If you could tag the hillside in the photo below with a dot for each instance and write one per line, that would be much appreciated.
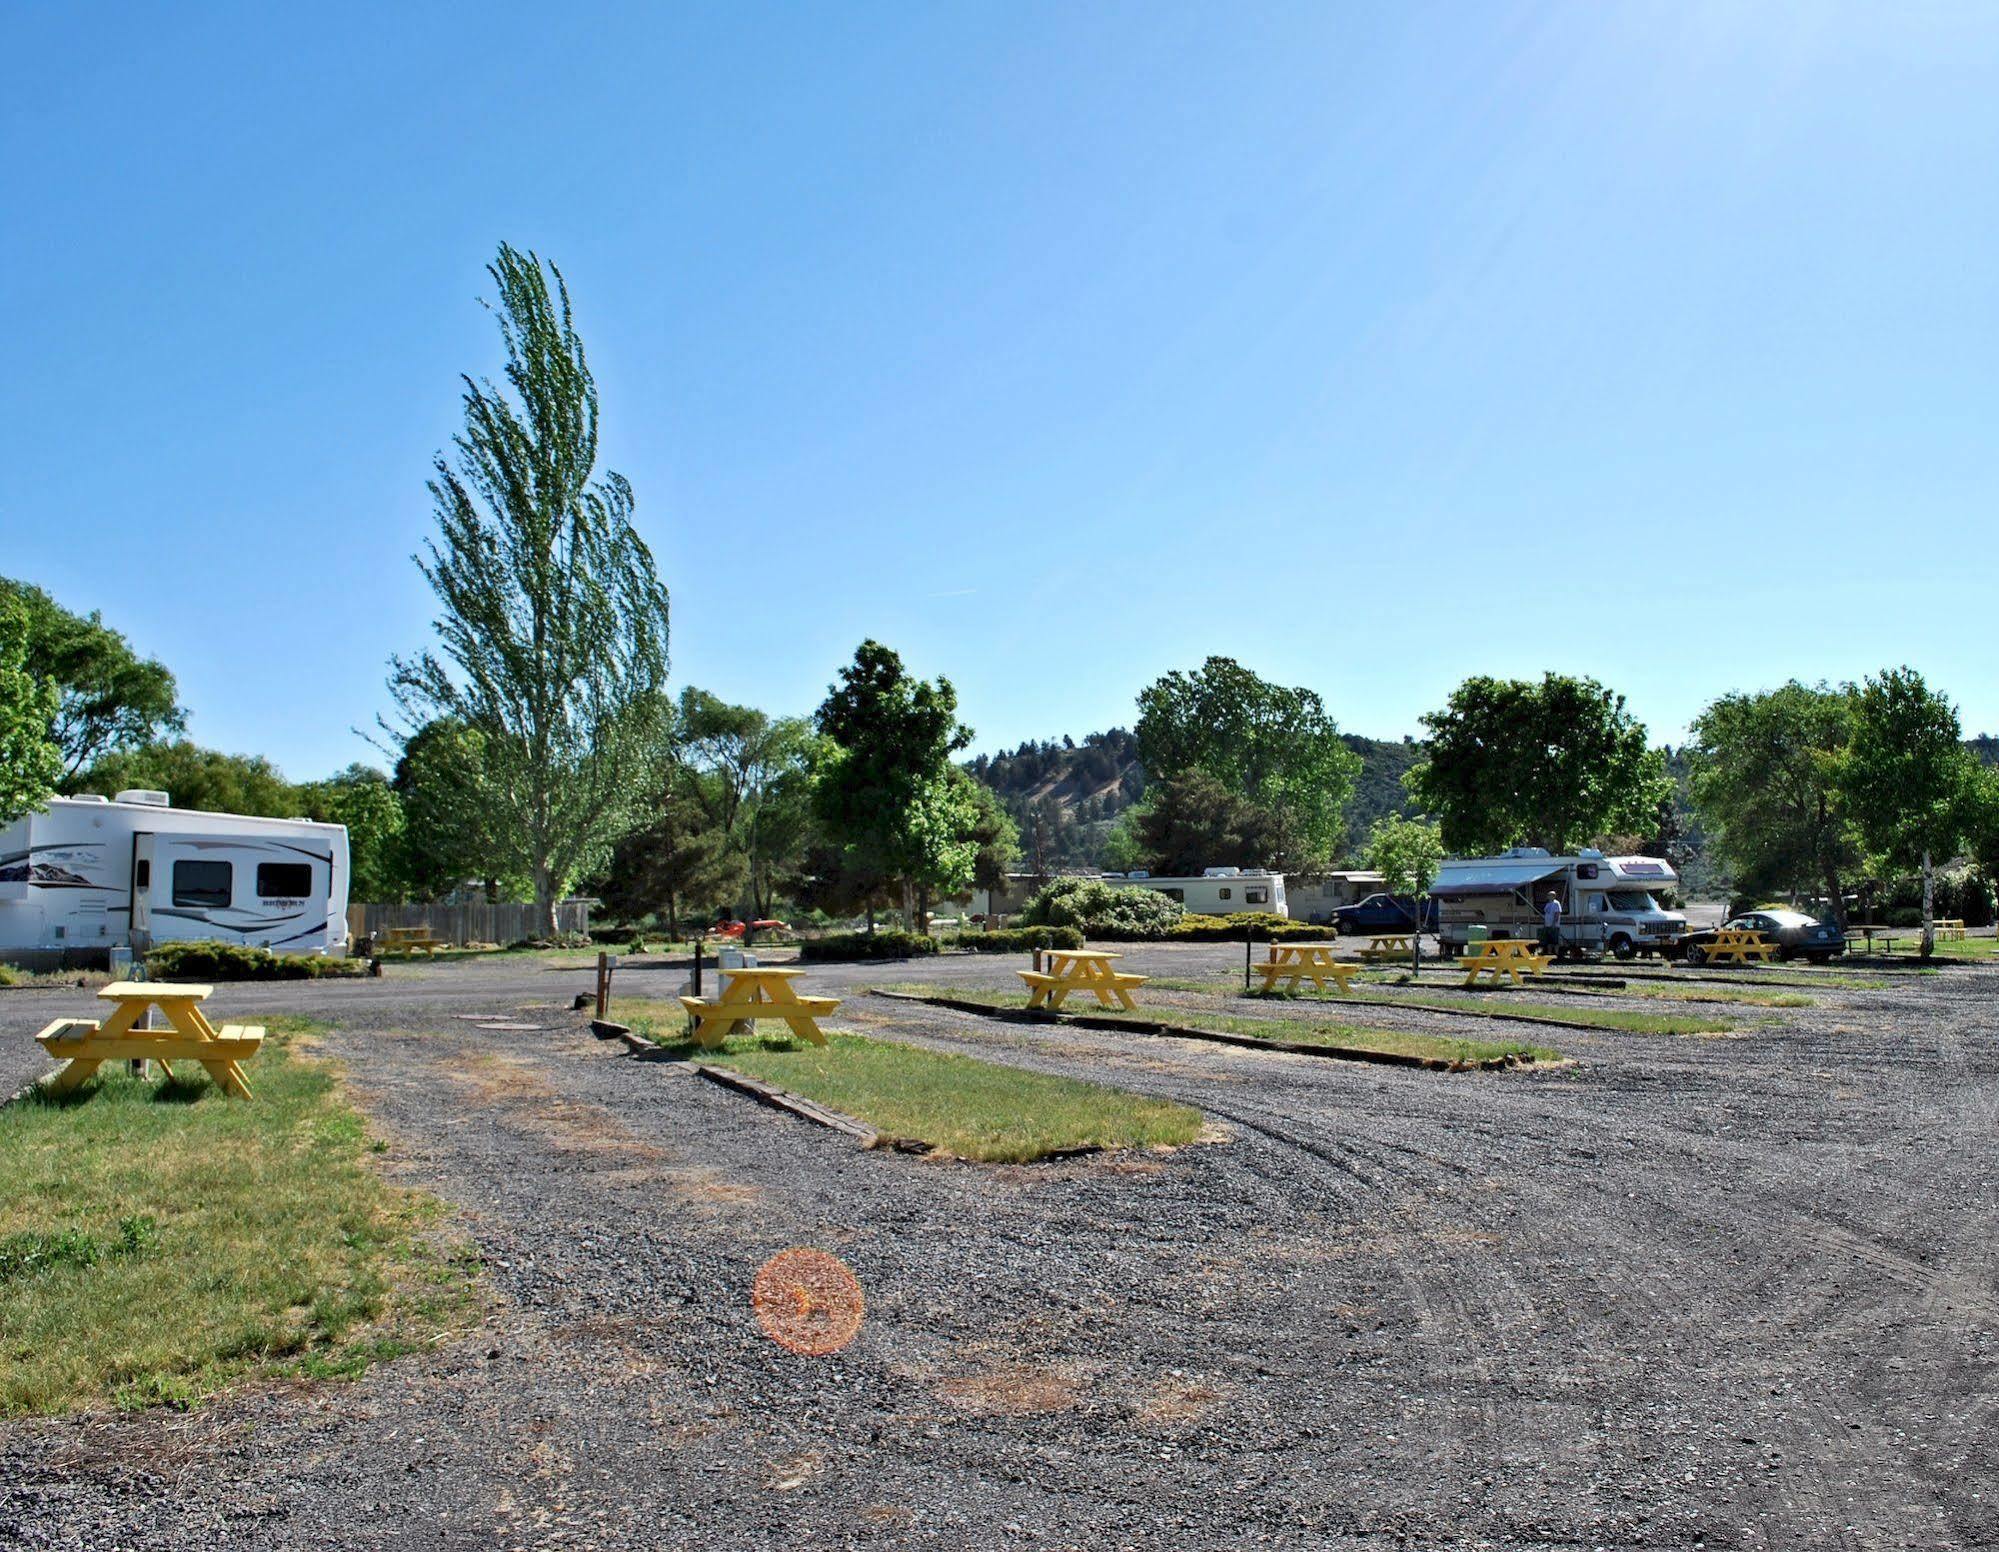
(1065, 795)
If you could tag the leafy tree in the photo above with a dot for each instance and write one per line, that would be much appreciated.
(1406, 853)
(1767, 774)
(991, 831)
(362, 799)
(1553, 764)
(678, 863)
(1909, 781)
(757, 789)
(553, 628)
(109, 698)
(29, 757)
(1982, 839)
(884, 795)
(1191, 821)
(1276, 747)
(194, 777)
(438, 780)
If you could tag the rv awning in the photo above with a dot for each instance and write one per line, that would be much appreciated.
(1499, 878)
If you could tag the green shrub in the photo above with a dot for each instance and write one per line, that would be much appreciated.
(1021, 940)
(9, 976)
(1101, 910)
(858, 945)
(1263, 926)
(209, 961)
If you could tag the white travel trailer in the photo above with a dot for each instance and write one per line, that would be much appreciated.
(1217, 892)
(90, 874)
(1607, 902)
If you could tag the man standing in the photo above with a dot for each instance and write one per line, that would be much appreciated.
(1551, 923)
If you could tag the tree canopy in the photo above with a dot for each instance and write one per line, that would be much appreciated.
(1768, 775)
(29, 756)
(1276, 747)
(108, 697)
(1553, 764)
(553, 622)
(194, 777)
(1192, 821)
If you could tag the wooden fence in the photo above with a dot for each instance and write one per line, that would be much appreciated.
(476, 922)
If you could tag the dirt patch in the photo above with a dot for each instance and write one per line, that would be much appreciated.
(1013, 1390)
(1175, 1402)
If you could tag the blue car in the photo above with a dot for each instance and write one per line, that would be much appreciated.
(1384, 913)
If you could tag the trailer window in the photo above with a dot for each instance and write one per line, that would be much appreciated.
(142, 876)
(203, 883)
(1255, 896)
(1175, 894)
(284, 880)
(1227, 894)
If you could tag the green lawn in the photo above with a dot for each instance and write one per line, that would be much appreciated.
(1343, 1036)
(963, 1106)
(158, 1241)
(1493, 1007)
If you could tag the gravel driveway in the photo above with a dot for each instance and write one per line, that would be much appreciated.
(1733, 1291)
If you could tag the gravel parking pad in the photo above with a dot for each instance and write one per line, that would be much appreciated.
(1737, 1290)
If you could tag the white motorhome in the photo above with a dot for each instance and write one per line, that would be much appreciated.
(1217, 892)
(90, 874)
(1607, 902)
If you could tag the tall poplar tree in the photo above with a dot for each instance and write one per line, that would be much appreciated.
(552, 628)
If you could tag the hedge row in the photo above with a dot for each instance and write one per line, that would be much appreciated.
(1021, 940)
(859, 945)
(210, 961)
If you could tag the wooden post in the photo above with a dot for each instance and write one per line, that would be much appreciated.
(1248, 934)
(697, 967)
(603, 984)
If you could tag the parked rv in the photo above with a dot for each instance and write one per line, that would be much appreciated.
(86, 875)
(1217, 892)
(1608, 905)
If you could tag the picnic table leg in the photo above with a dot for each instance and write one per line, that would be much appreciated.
(72, 1075)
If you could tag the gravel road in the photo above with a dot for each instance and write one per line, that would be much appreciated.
(1739, 1291)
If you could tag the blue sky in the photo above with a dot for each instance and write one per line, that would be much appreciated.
(1055, 345)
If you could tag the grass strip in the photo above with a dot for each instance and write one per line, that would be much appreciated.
(958, 1104)
(1480, 1005)
(1317, 1032)
(161, 1240)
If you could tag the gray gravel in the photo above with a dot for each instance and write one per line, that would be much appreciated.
(1733, 1291)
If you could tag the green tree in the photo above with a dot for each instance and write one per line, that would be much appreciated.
(992, 832)
(758, 786)
(109, 698)
(1767, 777)
(444, 842)
(678, 862)
(1191, 821)
(198, 778)
(884, 795)
(362, 799)
(1553, 764)
(1406, 853)
(553, 626)
(1909, 781)
(1276, 747)
(30, 759)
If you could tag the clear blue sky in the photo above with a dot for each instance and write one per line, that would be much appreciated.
(1055, 345)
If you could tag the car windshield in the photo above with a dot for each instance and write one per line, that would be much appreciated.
(1632, 900)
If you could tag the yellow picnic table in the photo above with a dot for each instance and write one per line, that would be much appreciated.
(1295, 962)
(85, 1046)
(1502, 956)
(758, 992)
(1079, 970)
(1951, 929)
(407, 940)
(1738, 945)
(1388, 945)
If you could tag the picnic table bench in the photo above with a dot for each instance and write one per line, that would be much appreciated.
(1080, 970)
(1389, 945)
(1951, 928)
(83, 1046)
(1738, 945)
(756, 992)
(1498, 957)
(1295, 962)
(408, 940)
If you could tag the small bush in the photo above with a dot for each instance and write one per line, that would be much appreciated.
(858, 945)
(1101, 910)
(209, 961)
(1022, 940)
(9, 976)
(1263, 926)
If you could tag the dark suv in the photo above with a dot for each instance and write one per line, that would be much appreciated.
(1384, 913)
